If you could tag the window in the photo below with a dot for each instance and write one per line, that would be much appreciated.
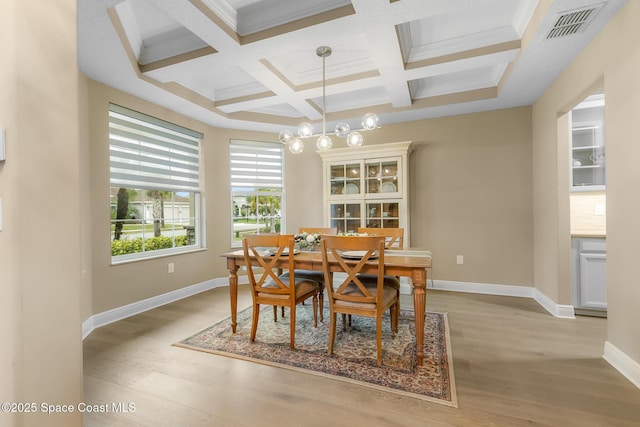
(155, 186)
(257, 197)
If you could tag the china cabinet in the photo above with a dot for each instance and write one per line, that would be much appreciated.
(367, 187)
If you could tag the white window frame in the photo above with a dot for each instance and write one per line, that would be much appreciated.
(256, 169)
(147, 153)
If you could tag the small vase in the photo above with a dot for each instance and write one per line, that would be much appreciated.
(309, 248)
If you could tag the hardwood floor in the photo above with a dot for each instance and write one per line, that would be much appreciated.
(515, 365)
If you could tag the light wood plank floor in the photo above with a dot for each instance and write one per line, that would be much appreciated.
(515, 365)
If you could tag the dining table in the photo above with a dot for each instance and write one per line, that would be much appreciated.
(410, 263)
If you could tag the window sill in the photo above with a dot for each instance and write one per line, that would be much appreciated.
(163, 255)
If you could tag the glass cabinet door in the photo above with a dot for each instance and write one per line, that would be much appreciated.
(346, 217)
(588, 166)
(588, 145)
(381, 176)
(381, 214)
(345, 179)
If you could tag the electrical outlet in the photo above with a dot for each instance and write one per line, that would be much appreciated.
(460, 259)
(171, 267)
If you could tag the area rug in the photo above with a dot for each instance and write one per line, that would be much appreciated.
(354, 358)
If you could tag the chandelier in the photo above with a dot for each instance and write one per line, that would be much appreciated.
(305, 130)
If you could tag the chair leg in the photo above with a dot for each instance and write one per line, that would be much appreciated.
(275, 313)
(254, 322)
(333, 317)
(292, 327)
(379, 339)
(393, 317)
(397, 309)
(315, 311)
(397, 316)
(344, 322)
(321, 298)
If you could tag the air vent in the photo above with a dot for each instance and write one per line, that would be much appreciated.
(573, 21)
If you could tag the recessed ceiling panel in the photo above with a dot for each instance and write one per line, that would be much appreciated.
(211, 78)
(153, 36)
(283, 110)
(462, 30)
(461, 81)
(364, 98)
(303, 66)
(251, 16)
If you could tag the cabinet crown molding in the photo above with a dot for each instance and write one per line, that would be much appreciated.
(368, 151)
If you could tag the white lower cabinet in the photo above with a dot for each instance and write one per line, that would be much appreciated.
(589, 275)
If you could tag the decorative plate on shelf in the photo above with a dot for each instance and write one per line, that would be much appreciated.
(357, 255)
(388, 187)
(350, 189)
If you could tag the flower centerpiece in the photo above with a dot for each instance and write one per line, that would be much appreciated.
(307, 241)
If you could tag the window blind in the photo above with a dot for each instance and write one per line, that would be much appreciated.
(149, 153)
(256, 166)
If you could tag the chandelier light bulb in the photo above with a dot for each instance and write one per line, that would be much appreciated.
(369, 121)
(305, 130)
(324, 143)
(355, 139)
(296, 146)
(342, 129)
(285, 136)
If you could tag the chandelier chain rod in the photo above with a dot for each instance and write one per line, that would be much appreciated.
(324, 99)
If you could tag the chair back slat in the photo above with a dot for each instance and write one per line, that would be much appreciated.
(332, 247)
(267, 250)
(394, 237)
(318, 230)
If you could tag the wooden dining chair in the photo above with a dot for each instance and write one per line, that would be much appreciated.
(393, 238)
(263, 255)
(351, 296)
(316, 276)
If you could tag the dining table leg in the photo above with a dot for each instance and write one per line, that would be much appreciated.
(233, 291)
(419, 303)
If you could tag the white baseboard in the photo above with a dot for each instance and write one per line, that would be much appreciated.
(557, 310)
(110, 316)
(622, 363)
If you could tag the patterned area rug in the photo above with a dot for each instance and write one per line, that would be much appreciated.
(354, 357)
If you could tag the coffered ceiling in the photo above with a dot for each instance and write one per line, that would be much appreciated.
(252, 64)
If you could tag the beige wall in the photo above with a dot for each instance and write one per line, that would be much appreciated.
(622, 91)
(611, 60)
(470, 193)
(40, 260)
(10, 319)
